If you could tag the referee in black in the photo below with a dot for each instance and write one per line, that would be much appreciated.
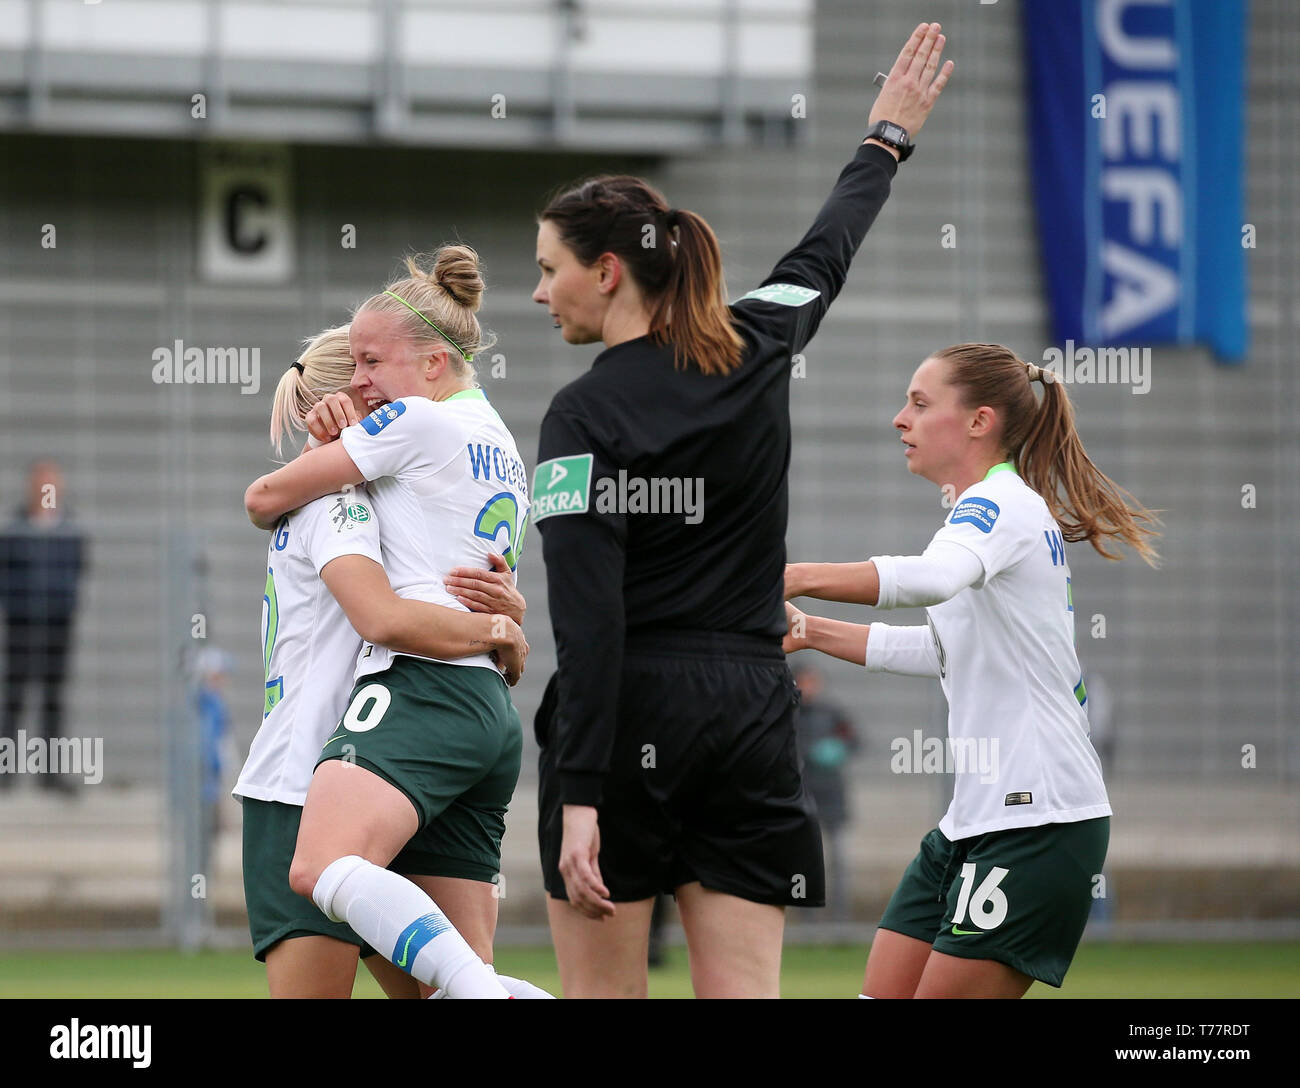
(668, 748)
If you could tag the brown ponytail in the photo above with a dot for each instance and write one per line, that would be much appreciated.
(1041, 439)
(673, 256)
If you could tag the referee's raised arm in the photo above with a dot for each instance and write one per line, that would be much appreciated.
(662, 497)
(791, 302)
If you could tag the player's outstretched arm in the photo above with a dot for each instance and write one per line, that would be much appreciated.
(379, 615)
(852, 583)
(847, 641)
(942, 571)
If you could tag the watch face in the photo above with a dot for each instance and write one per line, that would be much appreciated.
(894, 132)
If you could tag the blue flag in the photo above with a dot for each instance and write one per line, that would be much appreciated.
(1139, 151)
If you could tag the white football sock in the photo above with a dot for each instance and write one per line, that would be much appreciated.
(400, 922)
(518, 987)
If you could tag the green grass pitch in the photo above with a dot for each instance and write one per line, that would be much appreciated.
(1214, 970)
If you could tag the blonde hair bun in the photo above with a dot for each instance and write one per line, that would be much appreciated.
(454, 268)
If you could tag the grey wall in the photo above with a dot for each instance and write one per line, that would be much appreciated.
(1201, 654)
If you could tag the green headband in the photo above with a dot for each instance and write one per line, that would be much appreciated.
(468, 358)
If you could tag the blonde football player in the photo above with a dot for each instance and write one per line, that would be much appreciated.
(427, 744)
(327, 552)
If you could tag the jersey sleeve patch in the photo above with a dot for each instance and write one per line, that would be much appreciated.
(982, 513)
(346, 513)
(562, 485)
(785, 294)
(382, 416)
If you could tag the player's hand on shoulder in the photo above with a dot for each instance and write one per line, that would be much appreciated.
(330, 415)
(488, 590)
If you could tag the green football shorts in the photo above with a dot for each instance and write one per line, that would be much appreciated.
(1021, 896)
(449, 738)
(275, 911)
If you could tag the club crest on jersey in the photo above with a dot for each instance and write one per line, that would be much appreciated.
(382, 416)
(982, 513)
(786, 294)
(345, 515)
(562, 485)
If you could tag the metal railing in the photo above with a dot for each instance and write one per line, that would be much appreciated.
(498, 73)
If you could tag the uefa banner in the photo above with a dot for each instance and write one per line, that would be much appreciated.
(1139, 153)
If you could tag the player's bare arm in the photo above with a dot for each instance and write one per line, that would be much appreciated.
(853, 583)
(315, 473)
(379, 615)
(837, 638)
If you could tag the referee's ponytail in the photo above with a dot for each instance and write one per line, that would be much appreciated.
(673, 255)
(1041, 439)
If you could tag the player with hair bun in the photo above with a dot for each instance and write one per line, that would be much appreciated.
(325, 583)
(1000, 891)
(428, 747)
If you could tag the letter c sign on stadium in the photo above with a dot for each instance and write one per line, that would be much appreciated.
(1139, 149)
(245, 213)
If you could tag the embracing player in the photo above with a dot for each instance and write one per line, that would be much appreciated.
(325, 589)
(426, 746)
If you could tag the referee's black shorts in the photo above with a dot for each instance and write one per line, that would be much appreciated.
(704, 781)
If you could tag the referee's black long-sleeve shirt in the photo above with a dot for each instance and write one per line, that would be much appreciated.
(612, 570)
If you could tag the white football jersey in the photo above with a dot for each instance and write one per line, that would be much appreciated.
(309, 648)
(449, 487)
(1004, 652)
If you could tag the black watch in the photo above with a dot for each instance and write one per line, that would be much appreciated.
(894, 135)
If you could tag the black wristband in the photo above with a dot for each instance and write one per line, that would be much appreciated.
(887, 132)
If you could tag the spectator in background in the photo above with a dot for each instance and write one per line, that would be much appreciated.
(826, 743)
(212, 670)
(42, 554)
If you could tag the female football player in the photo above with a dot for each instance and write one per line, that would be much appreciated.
(1000, 891)
(428, 745)
(324, 584)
